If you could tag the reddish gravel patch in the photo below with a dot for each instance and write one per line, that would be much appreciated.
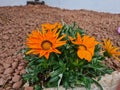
(17, 21)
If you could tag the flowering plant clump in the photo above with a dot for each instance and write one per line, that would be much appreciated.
(65, 55)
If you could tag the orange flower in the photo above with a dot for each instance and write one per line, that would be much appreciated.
(111, 50)
(86, 46)
(47, 26)
(43, 44)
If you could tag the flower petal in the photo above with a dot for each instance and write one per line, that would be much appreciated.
(83, 54)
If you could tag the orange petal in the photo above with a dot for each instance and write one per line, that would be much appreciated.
(57, 51)
(84, 54)
(79, 39)
(91, 50)
(42, 53)
(59, 44)
(47, 55)
(114, 49)
(61, 37)
(71, 38)
(116, 58)
(30, 51)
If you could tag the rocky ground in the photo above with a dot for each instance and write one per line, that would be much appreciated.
(17, 21)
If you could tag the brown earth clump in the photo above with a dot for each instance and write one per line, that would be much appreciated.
(17, 21)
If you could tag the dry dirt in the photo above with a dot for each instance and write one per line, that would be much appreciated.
(17, 21)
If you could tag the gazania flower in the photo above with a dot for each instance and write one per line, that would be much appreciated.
(47, 26)
(111, 50)
(86, 46)
(43, 44)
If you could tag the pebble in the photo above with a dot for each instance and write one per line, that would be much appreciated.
(29, 88)
(118, 43)
(9, 60)
(8, 88)
(17, 85)
(1, 88)
(22, 72)
(20, 67)
(19, 56)
(14, 65)
(11, 82)
(22, 64)
(2, 81)
(5, 37)
(8, 76)
(16, 78)
(1, 69)
(10, 31)
(16, 60)
(16, 72)
(6, 65)
(8, 71)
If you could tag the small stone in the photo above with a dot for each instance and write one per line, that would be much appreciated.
(6, 65)
(17, 71)
(17, 85)
(8, 88)
(11, 82)
(14, 65)
(20, 67)
(22, 72)
(2, 81)
(8, 71)
(118, 43)
(1, 88)
(19, 56)
(28, 88)
(9, 77)
(22, 64)
(9, 60)
(16, 78)
(1, 69)
(5, 37)
(16, 60)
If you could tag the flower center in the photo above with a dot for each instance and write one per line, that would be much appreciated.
(46, 45)
(82, 47)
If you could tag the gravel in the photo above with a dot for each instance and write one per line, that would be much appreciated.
(17, 21)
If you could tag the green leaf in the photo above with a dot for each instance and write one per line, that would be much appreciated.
(37, 87)
(60, 78)
(101, 88)
(54, 79)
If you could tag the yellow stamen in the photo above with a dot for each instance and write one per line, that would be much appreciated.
(46, 45)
